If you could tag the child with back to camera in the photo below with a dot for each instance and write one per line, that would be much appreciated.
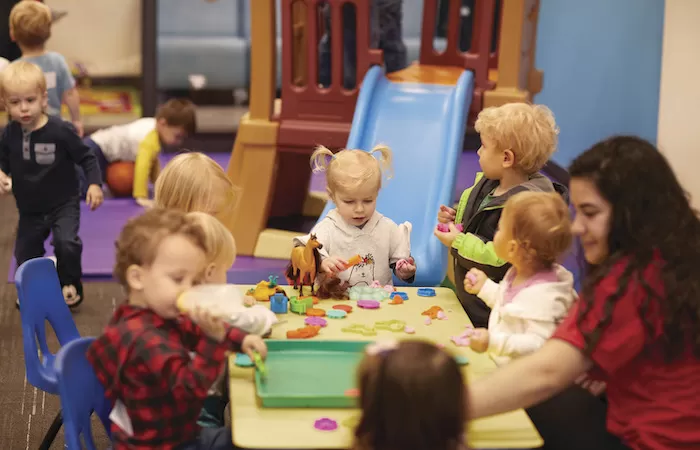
(38, 154)
(412, 395)
(156, 363)
(517, 140)
(354, 178)
(536, 293)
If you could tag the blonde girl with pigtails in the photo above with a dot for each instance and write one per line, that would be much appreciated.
(354, 227)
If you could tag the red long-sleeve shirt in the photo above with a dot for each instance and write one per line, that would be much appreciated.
(145, 362)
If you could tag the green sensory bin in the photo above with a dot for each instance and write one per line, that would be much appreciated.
(302, 373)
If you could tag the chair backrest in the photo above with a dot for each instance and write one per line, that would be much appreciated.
(81, 394)
(41, 300)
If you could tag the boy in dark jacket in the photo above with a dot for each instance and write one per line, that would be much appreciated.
(517, 141)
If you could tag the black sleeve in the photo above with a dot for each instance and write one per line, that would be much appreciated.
(82, 155)
(5, 150)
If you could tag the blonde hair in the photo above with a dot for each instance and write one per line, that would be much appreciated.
(140, 238)
(30, 23)
(541, 225)
(19, 74)
(350, 169)
(194, 182)
(220, 245)
(529, 131)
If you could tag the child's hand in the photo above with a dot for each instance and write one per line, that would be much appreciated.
(211, 325)
(405, 268)
(5, 183)
(447, 237)
(146, 203)
(474, 280)
(593, 386)
(446, 214)
(94, 197)
(333, 265)
(78, 127)
(254, 344)
(479, 340)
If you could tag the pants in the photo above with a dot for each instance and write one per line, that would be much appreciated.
(211, 439)
(385, 34)
(574, 420)
(63, 222)
(101, 162)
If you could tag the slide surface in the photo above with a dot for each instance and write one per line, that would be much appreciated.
(424, 124)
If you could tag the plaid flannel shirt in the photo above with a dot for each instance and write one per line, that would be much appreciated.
(144, 361)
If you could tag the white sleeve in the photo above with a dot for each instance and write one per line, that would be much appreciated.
(519, 344)
(323, 231)
(490, 292)
(400, 242)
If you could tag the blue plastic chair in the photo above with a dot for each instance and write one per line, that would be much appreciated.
(41, 300)
(81, 394)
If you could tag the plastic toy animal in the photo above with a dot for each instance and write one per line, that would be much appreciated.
(304, 264)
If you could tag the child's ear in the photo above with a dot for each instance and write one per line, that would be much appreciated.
(508, 158)
(330, 195)
(512, 249)
(209, 272)
(134, 277)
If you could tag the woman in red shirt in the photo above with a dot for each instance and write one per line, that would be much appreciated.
(637, 324)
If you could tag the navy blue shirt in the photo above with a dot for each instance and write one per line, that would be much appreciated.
(42, 164)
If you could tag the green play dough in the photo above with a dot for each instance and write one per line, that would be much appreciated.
(243, 360)
(462, 360)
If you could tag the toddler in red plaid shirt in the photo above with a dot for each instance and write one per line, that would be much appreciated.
(143, 359)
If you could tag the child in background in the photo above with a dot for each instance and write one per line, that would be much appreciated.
(412, 396)
(143, 357)
(30, 28)
(354, 227)
(536, 293)
(40, 153)
(517, 140)
(141, 141)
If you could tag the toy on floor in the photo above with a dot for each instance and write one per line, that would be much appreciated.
(304, 264)
(265, 289)
(120, 178)
(445, 227)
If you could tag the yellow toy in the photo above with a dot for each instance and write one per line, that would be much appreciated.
(265, 289)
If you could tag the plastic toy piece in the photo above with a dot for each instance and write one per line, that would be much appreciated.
(279, 304)
(402, 295)
(272, 281)
(352, 392)
(432, 312)
(445, 227)
(243, 360)
(346, 308)
(354, 260)
(358, 328)
(260, 365)
(441, 315)
(300, 306)
(263, 291)
(460, 341)
(368, 293)
(326, 424)
(368, 304)
(462, 360)
(427, 321)
(471, 277)
(396, 301)
(313, 298)
(336, 314)
(409, 330)
(426, 292)
(390, 325)
(302, 266)
(316, 321)
(307, 332)
(315, 312)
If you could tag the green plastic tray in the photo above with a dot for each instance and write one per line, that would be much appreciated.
(309, 374)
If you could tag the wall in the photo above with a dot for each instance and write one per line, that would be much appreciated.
(601, 63)
(679, 130)
(104, 35)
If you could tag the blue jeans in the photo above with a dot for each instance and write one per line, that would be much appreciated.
(101, 162)
(211, 439)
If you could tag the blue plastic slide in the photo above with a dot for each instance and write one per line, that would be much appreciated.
(424, 124)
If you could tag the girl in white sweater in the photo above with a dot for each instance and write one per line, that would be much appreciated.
(536, 293)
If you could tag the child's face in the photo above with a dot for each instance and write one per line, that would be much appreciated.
(178, 266)
(490, 159)
(503, 242)
(170, 135)
(356, 206)
(592, 220)
(25, 105)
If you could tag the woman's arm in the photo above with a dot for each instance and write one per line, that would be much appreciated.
(528, 380)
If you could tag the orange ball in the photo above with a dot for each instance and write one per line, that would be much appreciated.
(120, 178)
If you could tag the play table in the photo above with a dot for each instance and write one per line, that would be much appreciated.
(256, 427)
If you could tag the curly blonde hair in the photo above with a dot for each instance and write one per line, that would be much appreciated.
(30, 23)
(529, 131)
(349, 169)
(540, 222)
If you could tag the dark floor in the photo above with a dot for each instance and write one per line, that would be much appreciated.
(26, 413)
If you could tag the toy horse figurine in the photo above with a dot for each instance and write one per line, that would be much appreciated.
(304, 264)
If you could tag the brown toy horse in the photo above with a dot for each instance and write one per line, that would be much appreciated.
(304, 265)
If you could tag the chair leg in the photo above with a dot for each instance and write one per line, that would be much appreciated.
(52, 432)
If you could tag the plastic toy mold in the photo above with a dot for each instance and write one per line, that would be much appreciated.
(359, 328)
(368, 304)
(368, 293)
(316, 321)
(391, 325)
(426, 292)
(326, 424)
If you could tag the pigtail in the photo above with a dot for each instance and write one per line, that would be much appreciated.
(321, 158)
(384, 158)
